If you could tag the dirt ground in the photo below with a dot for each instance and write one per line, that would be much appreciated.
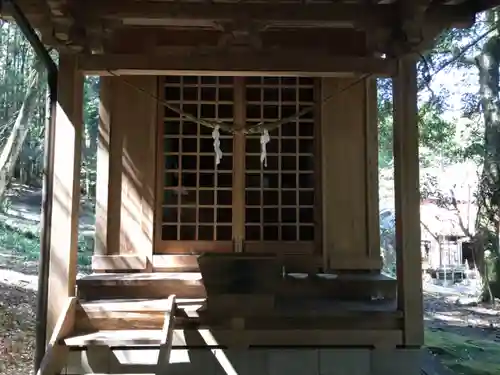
(17, 329)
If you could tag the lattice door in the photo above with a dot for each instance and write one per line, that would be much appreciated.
(280, 198)
(197, 193)
(239, 204)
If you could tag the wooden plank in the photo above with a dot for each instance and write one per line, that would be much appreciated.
(318, 14)
(141, 285)
(130, 40)
(194, 247)
(189, 263)
(137, 278)
(159, 182)
(102, 263)
(55, 355)
(350, 262)
(407, 199)
(175, 263)
(273, 321)
(303, 307)
(344, 174)
(338, 15)
(138, 160)
(318, 177)
(239, 154)
(167, 332)
(285, 248)
(103, 170)
(116, 140)
(191, 285)
(372, 175)
(230, 338)
(292, 262)
(265, 62)
(65, 200)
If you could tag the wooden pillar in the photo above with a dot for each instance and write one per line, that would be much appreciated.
(407, 196)
(126, 163)
(372, 175)
(66, 195)
(103, 170)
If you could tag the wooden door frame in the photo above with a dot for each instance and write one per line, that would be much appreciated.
(238, 203)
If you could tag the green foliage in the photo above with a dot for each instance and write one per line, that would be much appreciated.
(437, 136)
(463, 355)
(26, 244)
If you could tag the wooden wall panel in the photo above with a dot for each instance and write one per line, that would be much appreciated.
(348, 174)
(132, 163)
(63, 223)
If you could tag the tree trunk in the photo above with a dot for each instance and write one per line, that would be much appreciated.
(487, 221)
(12, 149)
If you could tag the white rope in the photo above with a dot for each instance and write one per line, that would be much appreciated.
(264, 140)
(216, 137)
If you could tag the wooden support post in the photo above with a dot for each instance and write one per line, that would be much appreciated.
(66, 194)
(168, 333)
(56, 354)
(372, 175)
(406, 181)
(239, 143)
(102, 183)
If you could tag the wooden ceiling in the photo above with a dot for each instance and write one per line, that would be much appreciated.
(360, 28)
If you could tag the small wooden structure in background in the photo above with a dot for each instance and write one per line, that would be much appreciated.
(266, 257)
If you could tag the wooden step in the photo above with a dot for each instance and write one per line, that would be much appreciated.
(128, 314)
(353, 287)
(226, 311)
(141, 285)
(128, 339)
(112, 338)
(162, 335)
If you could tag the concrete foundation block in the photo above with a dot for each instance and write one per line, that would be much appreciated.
(392, 361)
(344, 361)
(293, 362)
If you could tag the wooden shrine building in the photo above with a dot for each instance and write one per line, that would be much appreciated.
(237, 199)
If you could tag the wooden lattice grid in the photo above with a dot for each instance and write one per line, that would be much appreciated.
(197, 202)
(279, 198)
(239, 200)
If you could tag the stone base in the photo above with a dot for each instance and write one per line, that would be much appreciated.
(334, 361)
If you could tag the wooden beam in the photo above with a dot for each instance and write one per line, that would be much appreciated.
(66, 195)
(55, 356)
(126, 262)
(326, 15)
(283, 63)
(407, 199)
(221, 338)
(167, 335)
(372, 174)
(337, 15)
(103, 170)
